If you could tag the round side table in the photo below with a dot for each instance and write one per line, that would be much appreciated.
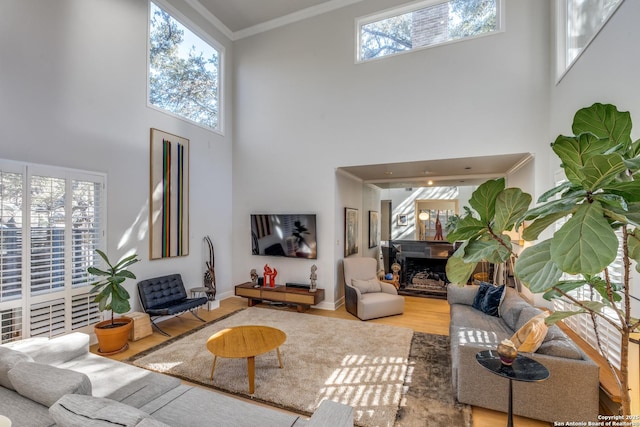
(523, 369)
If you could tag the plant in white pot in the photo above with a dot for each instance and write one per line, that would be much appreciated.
(113, 334)
(601, 204)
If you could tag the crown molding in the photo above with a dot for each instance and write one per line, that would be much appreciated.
(198, 7)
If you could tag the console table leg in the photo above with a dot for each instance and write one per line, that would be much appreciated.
(510, 415)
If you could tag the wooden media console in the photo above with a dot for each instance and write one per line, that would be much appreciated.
(299, 297)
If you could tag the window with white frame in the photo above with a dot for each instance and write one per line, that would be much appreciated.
(578, 22)
(51, 222)
(425, 24)
(184, 70)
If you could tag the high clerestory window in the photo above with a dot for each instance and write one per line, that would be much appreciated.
(578, 22)
(425, 24)
(184, 70)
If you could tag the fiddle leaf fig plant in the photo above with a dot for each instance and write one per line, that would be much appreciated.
(600, 201)
(111, 295)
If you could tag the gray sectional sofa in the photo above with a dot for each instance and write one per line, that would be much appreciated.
(58, 382)
(570, 394)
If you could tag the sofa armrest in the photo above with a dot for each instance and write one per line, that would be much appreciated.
(333, 414)
(388, 288)
(54, 351)
(548, 400)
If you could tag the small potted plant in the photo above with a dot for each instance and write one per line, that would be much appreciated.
(113, 334)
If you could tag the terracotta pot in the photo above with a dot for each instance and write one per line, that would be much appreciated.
(113, 340)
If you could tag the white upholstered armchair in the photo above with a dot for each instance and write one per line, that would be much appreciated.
(365, 296)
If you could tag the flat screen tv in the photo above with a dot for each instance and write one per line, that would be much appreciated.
(287, 235)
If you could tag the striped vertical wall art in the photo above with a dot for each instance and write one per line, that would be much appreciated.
(169, 196)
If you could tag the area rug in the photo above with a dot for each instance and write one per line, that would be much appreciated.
(428, 399)
(360, 364)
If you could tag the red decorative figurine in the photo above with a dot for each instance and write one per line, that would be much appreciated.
(269, 276)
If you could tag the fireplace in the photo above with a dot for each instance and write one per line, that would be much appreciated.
(423, 267)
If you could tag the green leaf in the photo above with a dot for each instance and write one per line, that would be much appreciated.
(604, 121)
(119, 305)
(564, 286)
(558, 315)
(533, 230)
(574, 152)
(467, 228)
(566, 204)
(97, 272)
(510, 205)
(483, 200)
(459, 271)
(490, 250)
(536, 269)
(611, 200)
(555, 190)
(104, 257)
(633, 242)
(631, 215)
(586, 243)
(630, 190)
(601, 170)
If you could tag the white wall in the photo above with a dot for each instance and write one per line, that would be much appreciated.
(607, 72)
(304, 108)
(73, 94)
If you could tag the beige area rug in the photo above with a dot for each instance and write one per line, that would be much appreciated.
(360, 364)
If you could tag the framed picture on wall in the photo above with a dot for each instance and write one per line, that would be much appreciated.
(350, 231)
(402, 219)
(168, 196)
(374, 219)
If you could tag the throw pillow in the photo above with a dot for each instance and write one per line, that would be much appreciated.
(530, 336)
(8, 359)
(366, 286)
(45, 383)
(73, 410)
(488, 298)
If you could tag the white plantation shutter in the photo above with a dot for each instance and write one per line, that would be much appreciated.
(11, 235)
(47, 318)
(10, 324)
(86, 233)
(83, 311)
(44, 285)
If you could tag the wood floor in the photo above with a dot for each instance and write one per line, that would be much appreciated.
(421, 314)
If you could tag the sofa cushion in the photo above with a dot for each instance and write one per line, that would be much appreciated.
(366, 286)
(560, 347)
(80, 411)
(529, 337)
(527, 313)
(510, 308)
(45, 383)
(8, 359)
(488, 298)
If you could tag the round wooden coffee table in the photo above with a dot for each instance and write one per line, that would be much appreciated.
(246, 341)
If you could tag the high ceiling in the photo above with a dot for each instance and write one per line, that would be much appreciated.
(440, 173)
(241, 18)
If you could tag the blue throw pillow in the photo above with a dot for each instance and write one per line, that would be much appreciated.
(488, 298)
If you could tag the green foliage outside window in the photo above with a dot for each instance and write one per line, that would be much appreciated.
(183, 71)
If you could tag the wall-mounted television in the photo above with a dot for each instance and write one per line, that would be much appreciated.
(287, 235)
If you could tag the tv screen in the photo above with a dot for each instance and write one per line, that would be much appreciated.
(287, 235)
